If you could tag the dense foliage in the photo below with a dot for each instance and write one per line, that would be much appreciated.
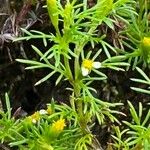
(85, 41)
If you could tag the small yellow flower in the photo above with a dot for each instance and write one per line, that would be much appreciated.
(87, 66)
(145, 47)
(49, 110)
(146, 41)
(58, 126)
(35, 117)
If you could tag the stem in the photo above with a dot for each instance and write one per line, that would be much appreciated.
(81, 117)
(77, 91)
(57, 31)
(134, 54)
(76, 84)
(68, 70)
(78, 51)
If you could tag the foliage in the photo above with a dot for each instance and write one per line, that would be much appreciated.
(136, 32)
(69, 126)
(145, 81)
(136, 136)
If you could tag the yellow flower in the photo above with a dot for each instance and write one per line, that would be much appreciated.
(146, 41)
(35, 117)
(87, 66)
(145, 47)
(58, 126)
(49, 110)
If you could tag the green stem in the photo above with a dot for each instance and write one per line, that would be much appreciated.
(57, 31)
(76, 84)
(78, 50)
(77, 91)
(134, 54)
(79, 104)
(68, 70)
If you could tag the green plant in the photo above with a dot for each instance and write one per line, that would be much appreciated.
(79, 29)
(8, 125)
(43, 129)
(146, 80)
(136, 136)
(135, 36)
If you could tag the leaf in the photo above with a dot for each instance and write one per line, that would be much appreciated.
(53, 12)
(140, 81)
(143, 74)
(134, 113)
(26, 31)
(37, 51)
(32, 62)
(146, 118)
(119, 3)
(36, 67)
(99, 73)
(109, 23)
(103, 9)
(105, 50)
(8, 105)
(54, 48)
(59, 79)
(116, 58)
(18, 142)
(45, 78)
(97, 54)
(140, 90)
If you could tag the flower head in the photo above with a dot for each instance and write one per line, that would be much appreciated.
(49, 110)
(87, 66)
(145, 47)
(58, 126)
(146, 41)
(35, 117)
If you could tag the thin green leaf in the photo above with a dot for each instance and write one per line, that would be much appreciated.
(140, 90)
(8, 105)
(140, 81)
(134, 113)
(45, 78)
(143, 74)
(31, 62)
(18, 142)
(59, 79)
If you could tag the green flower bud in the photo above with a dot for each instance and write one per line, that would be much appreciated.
(52, 11)
(67, 15)
(103, 8)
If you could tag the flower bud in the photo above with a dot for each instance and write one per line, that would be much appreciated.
(87, 66)
(58, 126)
(68, 15)
(103, 7)
(34, 118)
(53, 12)
(145, 47)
